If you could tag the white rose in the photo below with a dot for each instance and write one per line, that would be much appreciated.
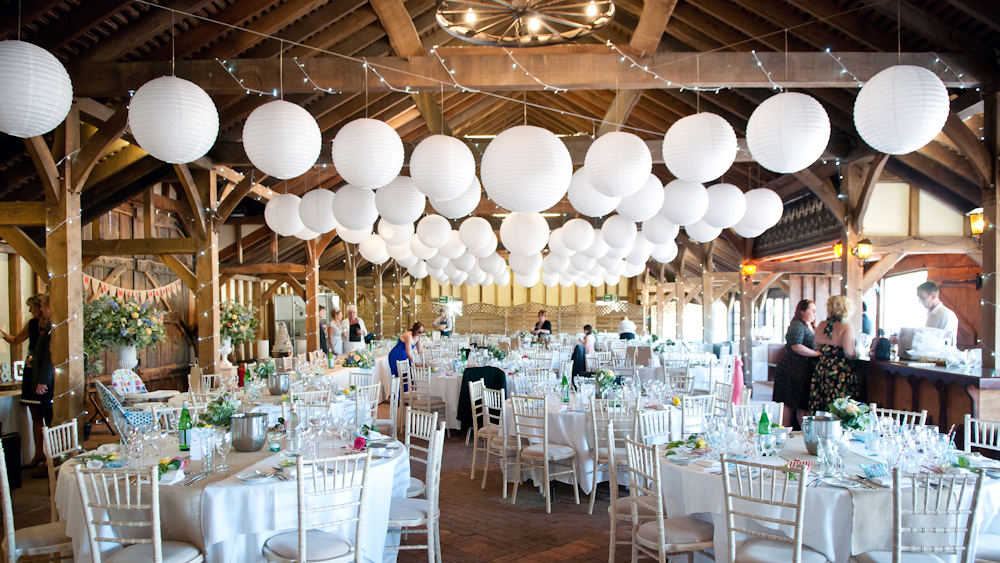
(852, 409)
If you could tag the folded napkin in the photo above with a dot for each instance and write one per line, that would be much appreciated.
(799, 463)
(873, 470)
(375, 435)
(338, 398)
(172, 477)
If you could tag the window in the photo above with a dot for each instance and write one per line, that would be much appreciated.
(902, 309)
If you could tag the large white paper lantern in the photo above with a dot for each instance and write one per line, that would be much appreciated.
(640, 250)
(408, 261)
(354, 236)
(36, 93)
(436, 274)
(524, 233)
(550, 280)
(492, 264)
(173, 119)
(454, 247)
(475, 278)
(373, 249)
(354, 207)
(525, 264)
(502, 279)
(764, 209)
(399, 251)
(458, 280)
(443, 167)
(620, 252)
(556, 245)
(611, 279)
(597, 248)
(316, 211)
(421, 250)
(467, 261)
(643, 204)
(395, 234)
(577, 235)
(566, 280)
(684, 202)
(526, 169)
(282, 215)
(699, 148)
(555, 264)
(434, 231)
(368, 153)
(282, 139)
(581, 282)
(475, 232)
(665, 252)
(632, 270)
(438, 261)
(487, 280)
(659, 229)
(587, 200)
(418, 270)
(306, 234)
(490, 248)
(618, 163)
(901, 109)
(527, 280)
(788, 132)
(611, 264)
(462, 205)
(744, 229)
(581, 262)
(618, 232)
(400, 201)
(702, 232)
(726, 206)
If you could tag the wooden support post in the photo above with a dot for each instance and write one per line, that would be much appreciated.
(644, 327)
(991, 248)
(14, 303)
(312, 295)
(707, 299)
(377, 271)
(239, 243)
(207, 273)
(351, 255)
(851, 272)
(660, 326)
(399, 297)
(148, 214)
(746, 329)
(413, 303)
(274, 248)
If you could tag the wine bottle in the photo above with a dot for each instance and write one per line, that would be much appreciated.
(184, 426)
(765, 423)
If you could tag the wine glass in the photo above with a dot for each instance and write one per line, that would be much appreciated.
(160, 440)
(223, 445)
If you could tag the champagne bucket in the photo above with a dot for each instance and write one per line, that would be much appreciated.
(249, 431)
(278, 384)
(815, 428)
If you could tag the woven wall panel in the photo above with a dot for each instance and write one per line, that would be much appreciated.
(485, 318)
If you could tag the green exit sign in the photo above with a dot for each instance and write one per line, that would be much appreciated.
(610, 298)
(445, 299)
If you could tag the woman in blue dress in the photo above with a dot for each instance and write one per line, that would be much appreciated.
(403, 350)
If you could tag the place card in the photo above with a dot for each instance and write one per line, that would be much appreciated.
(197, 436)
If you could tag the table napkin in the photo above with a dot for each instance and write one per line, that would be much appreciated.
(873, 470)
(172, 477)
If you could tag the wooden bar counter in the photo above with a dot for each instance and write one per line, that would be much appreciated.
(948, 394)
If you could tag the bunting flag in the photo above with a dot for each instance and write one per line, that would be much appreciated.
(99, 287)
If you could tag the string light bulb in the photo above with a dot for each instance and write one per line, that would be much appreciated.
(592, 9)
(470, 16)
(533, 23)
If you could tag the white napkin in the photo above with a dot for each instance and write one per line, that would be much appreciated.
(95, 464)
(338, 398)
(375, 435)
(105, 449)
(172, 477)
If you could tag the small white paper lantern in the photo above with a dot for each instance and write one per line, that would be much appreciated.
(502, 279)
(527, 280)
(618, 164)
(577, 235)
(395, 234)
(306, 234)
(487, 280)
(454, 247)
(418, 270)
(438, 261)
(399, 251)
(436, 274)
(421, 250)
(659, 229)
(473, 271)
(664, 253)
(699, 148)
(550, 280)
(581, 282)
(525, 264)
(354, 207)
(282, 215)
(620, 252)
(556, 245)
(467, 261)
(492, 264)
(316, 211)
(901, 109)
(555, 264)
(490, 248)
(744, 230)
(458, 280)
(449, 269)
(702, 232)
(282, 139)
(632, 270)
(640, 250)
(434, 231)
(462, 205)
(400, 201)
(684, 202)
(526, 169)
(354, 236)
(476, 232)
(36, 93)
(475, 278)
(764, 209)
(581, 262)
(611, 279)
(368, 153)
(571, 270)
(566, 280)
(173, 119)
(726, 206)
(788, 132)
(597, 248)
(618, 232)
(373, 249)
(607, 262)
(407, 261)
(587, 200)
(443, 167)
(524, 233)
(643, 204)
(617, 267)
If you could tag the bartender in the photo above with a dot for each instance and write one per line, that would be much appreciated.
(444, 324)
(938, 316)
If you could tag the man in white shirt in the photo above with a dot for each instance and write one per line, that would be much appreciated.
(444, 324)
(938, 316)
(626, 329)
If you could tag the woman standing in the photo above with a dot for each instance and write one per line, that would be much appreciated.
(354, 331)
(834, 375)
(30, 332)
(793, 375)
(403, 350)
(335, 334)
(585, 346)
(39, 382)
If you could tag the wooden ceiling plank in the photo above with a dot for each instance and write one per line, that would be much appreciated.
(267, 24)
(969, 145)
(202, 33)
(850, 23)
(75, 23)
(131, 36)
(29, 12)
(325, 17)
(97, 146)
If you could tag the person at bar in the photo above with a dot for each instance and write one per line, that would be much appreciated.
(793, 374)
(443, 324)
(834, 375)
(938, 316)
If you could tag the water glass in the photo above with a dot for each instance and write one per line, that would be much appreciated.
(223, 445)
(831, 463)
(207, 453)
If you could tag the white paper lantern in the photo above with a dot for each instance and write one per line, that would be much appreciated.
(306, 234)
(525, 264)
(640, 250)
(587, 200)
(618, 232)
(421, 250)
(492, 264)
(632, 270)
(502, 279)
(395, 234)
(282, 139)
(458, 280)
(407, 261)
(462, 205)
(316, 211)
(373, 249)
(354, 207)
(476, 232)
(566, 280)
(527, 280)
(702, 232)
(764, 209)
(524, 233)
(399, 201)
(398, 251)
(368, 153)
(597, 248)
(577, 235)
(282, 215)
(436, 274)
(550, 280)
(597, 280)
(620, 252)
(487, 280)
(684, 202)
(418, 270)
(434, 231)
(443, 167)
(490, 248)
(726, 206)
(526, 169)
(617, 268)
(582, 262)
(450, 270)
(788, 132)
(467, 261)
(643, 204)
(354, 236)
(744, 230)
(173, 119)
(36, 93)
(439, 261)
(665, 252)
(454, 247)
(618, 164)
(571, 270)
(901, 109)
(611, 279)
(700, 147)
(475, 278)
(556, 245)
(659, 229)
(581, 282)
(555, 264)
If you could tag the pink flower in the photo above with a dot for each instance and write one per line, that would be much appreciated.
(183, 462)
(359, 443)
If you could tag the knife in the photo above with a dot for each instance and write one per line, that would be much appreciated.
(871, 483)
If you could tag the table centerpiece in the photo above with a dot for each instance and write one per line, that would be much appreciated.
(237, 324)
(121, 325)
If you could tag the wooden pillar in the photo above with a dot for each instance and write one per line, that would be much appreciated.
(351, 255)
(660, 325)
(239, 243)
(274, 248)
(399, 297)
(990, 333)
(413, 302)
(207, 271)
(746, 329)
(14, 303)
(644, 327)
(312, 296)
(707, 298)
(851, 272)
(377, 271)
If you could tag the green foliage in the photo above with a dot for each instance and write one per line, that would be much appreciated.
(221, 410)
(110, 322)
(496, 352)
(238, 322)
(852, 414)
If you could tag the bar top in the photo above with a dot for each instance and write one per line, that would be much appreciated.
(980, 377)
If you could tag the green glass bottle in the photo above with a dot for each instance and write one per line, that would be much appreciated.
(565, 389)
(184, 426)
(765, 423)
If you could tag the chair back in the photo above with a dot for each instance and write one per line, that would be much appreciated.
(312, 397)
(619, 414)
(981, 434)
(432, 480)
(603, 360)
(644, 484)
(126, 382)
(531, 420)
(751, 413)
(525, 384)
(420, 428)
(746, 395)
(115, 500)
(420, 388)
(393, 406)
(593, 362)
(334, 489)
(366, 400)
(675, 374)
(758, 492)
(58, 441)
(476, 398)
(361, 379)
(655, 427)
(723, 398)
(210, 382)
(8, 511)
(903, 418)
(694, 411)
(494, 413)
(200, 400)
(167, 417)
(108, 399)
(935, 513)
(403, 370)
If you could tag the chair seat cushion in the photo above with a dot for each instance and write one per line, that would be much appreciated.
(409, 512)
(623, 508)
(621, 455)
(556, 451)
(886, 557)
(769, 551)
(51, 534)
(987, 549)
(416, 488)
(173, 552)
(320, 546)
(677, 531)
(497, 442)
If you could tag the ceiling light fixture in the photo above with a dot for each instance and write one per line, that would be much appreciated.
(529, 23)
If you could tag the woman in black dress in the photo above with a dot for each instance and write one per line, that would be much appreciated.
(37, 388)
(30, 333)
(793, 375)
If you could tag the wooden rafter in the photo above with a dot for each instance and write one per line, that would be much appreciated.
(23, 245)
(97, 146)
(969, 145)
(45, 164)
(198, 212)
(180, 270)
(860, 206)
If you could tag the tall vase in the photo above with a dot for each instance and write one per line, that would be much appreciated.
(226, 348)
(127, 358)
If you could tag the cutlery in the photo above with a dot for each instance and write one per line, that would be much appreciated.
(195, 480)
(186, 481)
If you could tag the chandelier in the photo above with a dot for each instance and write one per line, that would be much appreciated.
(523, 23)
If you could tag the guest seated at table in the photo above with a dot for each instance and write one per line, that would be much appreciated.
(335, 334)
(793, 375)
(543, 329)
(626, 329)
(834, 375)
(403, 350)
(585, 346)
(354, 329)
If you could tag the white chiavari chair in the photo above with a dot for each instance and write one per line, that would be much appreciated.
(501, 443)
(525, 384)
(593, 362)
(981, 433)
(622, 416)
(531, 422)
(44, 539)
(423, 399)
(58, 441)
(751, 413)
(200, 400)
(419, 516)
(366, 400)
(724, 399)
(476, 430)
(403, 373)
(419, 431)
(695, 410)
(620, 509)
(361, 379)
(655, 427)
(391, 424)
(312, 397)
(604, 360)
(675, 373)
(166, 416)
(904, 418)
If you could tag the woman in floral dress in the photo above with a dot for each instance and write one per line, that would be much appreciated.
(834, 376)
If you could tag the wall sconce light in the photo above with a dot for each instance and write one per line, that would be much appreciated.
(838, 250)
(977, 223)
(747, 271)
(864, 249)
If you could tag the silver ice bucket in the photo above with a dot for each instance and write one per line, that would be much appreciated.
(278, 384)
(820, 426)
(249, 431)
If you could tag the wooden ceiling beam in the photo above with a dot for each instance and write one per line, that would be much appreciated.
(128, 38)
(969, 144)
(943, 175)
(850, 23)
(202, 33)
(77, 22)
(26, 247)
(914, 177)
(97, 146)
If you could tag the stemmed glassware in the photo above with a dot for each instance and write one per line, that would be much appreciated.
(223, 444)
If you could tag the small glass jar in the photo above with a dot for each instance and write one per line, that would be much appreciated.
(274, 439)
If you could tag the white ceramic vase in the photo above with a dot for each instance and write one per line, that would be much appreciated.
(127, 358)
(226, 348)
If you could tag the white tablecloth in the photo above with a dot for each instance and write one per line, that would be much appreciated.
(448, 387)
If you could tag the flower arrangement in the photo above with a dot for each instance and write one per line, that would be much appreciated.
(110, 322)
(497, 352)
(522, 334)
(166, 464)
(359, 359)
(263, 370)
(852, 414)
(662, 346)
(221, 410)
(605, 377)
(237, 322)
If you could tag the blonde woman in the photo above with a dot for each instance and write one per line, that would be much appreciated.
(354, 330)
(834, 375)
(335, 334)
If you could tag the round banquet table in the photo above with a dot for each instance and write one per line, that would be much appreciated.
(230, 520)
(693, 490)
